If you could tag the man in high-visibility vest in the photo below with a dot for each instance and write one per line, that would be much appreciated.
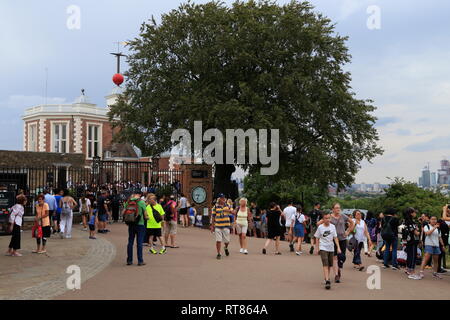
(154, 227)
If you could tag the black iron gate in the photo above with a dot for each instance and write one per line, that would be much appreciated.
(123, 177)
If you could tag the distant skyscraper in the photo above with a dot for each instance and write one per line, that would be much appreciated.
(426, 177)
(433, 179)
(443, 174)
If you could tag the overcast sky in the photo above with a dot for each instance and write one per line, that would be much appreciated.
(404, 67)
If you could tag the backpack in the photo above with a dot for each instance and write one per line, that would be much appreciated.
(65, 210)
(131, 212)
(297, 222)
(156, 215)
(386, 232)
(168, 216)
(84, 207)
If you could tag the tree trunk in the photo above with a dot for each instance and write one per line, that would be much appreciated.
(222, 181)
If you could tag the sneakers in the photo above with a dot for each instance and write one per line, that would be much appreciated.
(442, 271)
(84, 229)
(227, 253)
(437, 275)
(153, 251)
(311, 250)
(414, 277)
(264, 251)
(245, 251)
(142, 264)
(337, 279)
(17, 254)
(291, 247)
(218, 257)
(93, 238)
(327, 284)
(162, 251)
(394, 268)
(241, 250)
(298, 253)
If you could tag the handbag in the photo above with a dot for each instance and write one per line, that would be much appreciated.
(36, 231)
(156, 215)
(352, 243)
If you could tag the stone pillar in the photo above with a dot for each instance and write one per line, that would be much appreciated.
(78, 139)
(42, 135)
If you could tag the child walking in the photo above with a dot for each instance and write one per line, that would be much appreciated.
(326, 235)
(91, 224)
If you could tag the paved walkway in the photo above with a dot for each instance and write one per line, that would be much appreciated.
(43, 276)
(192, 272)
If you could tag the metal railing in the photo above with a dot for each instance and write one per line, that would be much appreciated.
(123, 177)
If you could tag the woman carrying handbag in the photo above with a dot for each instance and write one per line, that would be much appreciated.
(15, 220)
(42, 220)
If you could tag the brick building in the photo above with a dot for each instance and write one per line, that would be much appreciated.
(79, 127)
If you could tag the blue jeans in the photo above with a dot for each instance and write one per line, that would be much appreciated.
(391, 243)
(357, 254)
(137, 231)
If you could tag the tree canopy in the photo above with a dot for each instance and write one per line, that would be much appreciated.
(254, 64)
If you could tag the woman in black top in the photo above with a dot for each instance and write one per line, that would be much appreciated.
(411, 235)
(273, 227)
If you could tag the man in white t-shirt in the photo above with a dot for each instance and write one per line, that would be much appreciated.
(326, 235)
(289, 213)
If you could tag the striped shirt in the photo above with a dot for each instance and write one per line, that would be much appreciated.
(221, 216)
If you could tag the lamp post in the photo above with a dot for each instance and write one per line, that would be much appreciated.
(96, 169)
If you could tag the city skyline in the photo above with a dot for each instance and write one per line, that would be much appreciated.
(407, 81)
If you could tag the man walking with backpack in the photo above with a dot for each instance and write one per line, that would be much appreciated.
(170, 221)
(134, 215)
(389, 233)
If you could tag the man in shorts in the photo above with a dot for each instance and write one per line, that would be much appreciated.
(170, 220)
(221, 224)
(314, 216)
(102, 210)
(183, 209)
(290, 212)
(154, 227)
(326, 236)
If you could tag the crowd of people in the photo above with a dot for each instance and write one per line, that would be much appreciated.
(407, 240)
(331, 234)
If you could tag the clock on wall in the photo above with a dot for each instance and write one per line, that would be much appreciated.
(199, 194)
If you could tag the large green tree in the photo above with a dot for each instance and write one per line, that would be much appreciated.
(251, 65)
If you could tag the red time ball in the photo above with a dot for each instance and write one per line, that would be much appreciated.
(118, 79)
